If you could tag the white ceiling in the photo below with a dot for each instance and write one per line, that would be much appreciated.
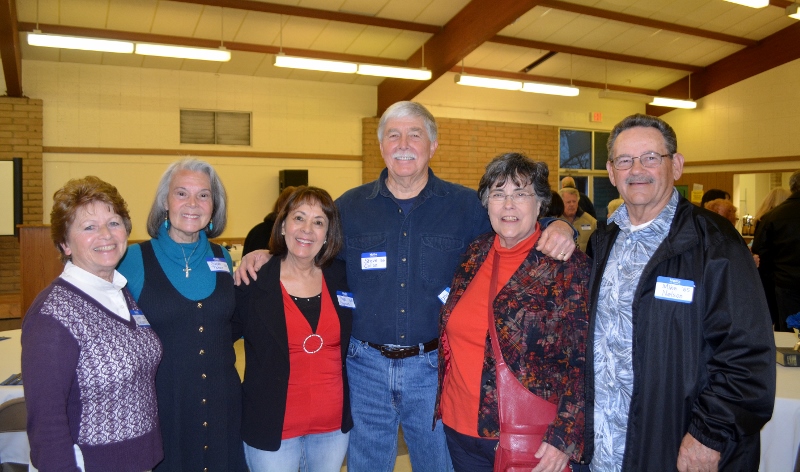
(543, 24)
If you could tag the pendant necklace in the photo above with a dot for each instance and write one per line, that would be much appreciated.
(186, 270)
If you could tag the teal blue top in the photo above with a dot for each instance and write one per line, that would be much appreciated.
(201, 281)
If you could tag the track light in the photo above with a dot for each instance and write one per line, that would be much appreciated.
(672, 102)
(183, 52)
(36, 38)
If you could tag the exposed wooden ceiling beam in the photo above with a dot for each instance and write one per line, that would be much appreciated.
(527, 43)
(780, 3)
(547, 80)
(316, 13)
(207, 43)
(638, 20)
(9, 48)
(478, 21)
(772, 51)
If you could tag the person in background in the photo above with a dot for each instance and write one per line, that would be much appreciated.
(613, 205)
(183, 283)
(89, 357)
(724, 208)
(404, 235)
(713, 194)
(585, 203)
(556, 207)
(774, 198)
(583, 222)
(682, 357)
(296, 321)
(258, 237)
(777, 243)
(541, 313)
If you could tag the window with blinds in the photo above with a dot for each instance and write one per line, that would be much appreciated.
(215, 127)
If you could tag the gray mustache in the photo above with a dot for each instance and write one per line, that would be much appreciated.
(639, 180)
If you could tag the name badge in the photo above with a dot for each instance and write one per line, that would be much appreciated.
(675, 290)
(586, 227)
(218, 264)
(373, 261)
(443, 296)
(345, 299)
(140, 319)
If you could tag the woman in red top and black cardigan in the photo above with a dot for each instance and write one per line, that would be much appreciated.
(294, 319)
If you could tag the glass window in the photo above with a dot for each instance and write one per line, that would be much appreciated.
(575, 149)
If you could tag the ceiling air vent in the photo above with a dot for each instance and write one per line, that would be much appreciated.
(215, 127)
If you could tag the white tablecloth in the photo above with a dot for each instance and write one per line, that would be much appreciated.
(781, 436)
(13, 446)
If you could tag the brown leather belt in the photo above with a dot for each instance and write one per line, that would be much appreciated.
(403, 352)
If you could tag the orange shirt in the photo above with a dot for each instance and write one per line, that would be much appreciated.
(467, 330)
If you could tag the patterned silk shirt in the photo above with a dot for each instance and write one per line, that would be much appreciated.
(613, 335)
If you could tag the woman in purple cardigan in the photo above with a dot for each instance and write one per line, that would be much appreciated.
(89, 356)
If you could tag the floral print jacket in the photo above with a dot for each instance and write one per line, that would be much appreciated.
(541, 316)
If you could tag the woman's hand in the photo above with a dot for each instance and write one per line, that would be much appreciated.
(251, 262)
(550, 459)
(557, 240)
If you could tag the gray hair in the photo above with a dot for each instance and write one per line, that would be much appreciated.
(219, 213)
(571, 191)
(644, 121)
(522, 170)
(794, 182)
(404, 109)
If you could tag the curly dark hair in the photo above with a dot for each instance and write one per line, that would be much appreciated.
(522, 170)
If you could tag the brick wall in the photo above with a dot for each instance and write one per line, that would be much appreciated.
(466, 146)
(21, 136)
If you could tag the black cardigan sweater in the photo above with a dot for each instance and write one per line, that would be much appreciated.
(261, 319)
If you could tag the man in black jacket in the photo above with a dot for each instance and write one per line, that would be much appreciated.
(777, 243)
(683, 356)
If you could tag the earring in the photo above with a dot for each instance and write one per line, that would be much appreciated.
(283, 233)
(325, 242)
(210, 226)
(166, 222)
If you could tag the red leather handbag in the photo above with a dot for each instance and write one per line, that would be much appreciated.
(524, 416)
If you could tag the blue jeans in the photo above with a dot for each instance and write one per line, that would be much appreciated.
(323, 452)
(385, 393)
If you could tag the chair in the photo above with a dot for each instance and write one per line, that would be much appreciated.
(13, 418)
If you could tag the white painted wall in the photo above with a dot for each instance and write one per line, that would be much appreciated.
(121, 107)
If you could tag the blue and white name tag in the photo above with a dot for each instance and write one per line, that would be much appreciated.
(140, 319)
(373, 261)
(345, 299)
(676, 290)
(586, 227)
(218, 264)
(443, 296)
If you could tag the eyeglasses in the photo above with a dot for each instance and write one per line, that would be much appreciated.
(648, 159)
(516, 197)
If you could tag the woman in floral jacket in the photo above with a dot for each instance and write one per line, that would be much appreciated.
(541, 316)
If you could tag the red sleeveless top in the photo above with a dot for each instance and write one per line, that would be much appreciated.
(314, 399)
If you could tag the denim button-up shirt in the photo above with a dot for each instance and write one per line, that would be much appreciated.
(400, 304)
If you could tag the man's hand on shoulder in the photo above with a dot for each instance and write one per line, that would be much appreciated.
(557, 240)
(694, 456)
(248, 268)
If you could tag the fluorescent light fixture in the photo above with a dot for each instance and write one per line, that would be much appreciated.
(550, 89)
(793, 11)
(619, 95)
(487, 82)
(396, 72)
(673, 103)
(751, 3)
(183, 52)
(294, 62)
(74, 42)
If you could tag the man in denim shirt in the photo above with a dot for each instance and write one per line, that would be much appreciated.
(404, 236)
